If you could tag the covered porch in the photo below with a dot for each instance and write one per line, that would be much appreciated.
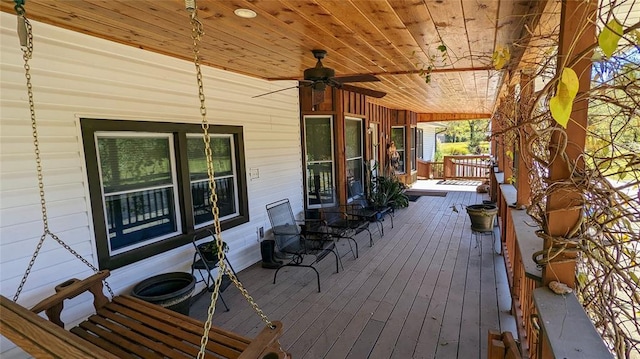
(427, 289)
(424, 289)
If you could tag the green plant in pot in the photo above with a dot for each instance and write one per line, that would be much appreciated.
(387, 191)
(209, 250)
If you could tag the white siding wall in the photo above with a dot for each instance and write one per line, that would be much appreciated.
(76, 76)
(429, 144)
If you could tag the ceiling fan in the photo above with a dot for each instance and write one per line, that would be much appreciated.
(319, 77)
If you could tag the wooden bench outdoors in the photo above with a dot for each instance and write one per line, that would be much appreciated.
(126, 327)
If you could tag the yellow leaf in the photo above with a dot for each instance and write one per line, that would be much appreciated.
(560, 111)
(569, 83)
(609, 37)
(582, 279)
(500, 57)
(562, 103)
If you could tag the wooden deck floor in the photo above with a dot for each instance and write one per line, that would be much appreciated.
(424, 290)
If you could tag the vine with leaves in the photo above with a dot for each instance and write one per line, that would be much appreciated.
(606, 175)
(425, 69)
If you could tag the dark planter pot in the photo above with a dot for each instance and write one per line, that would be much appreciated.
(170, 290)
(482, 216)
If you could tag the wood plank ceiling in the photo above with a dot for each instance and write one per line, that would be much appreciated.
(393, 39)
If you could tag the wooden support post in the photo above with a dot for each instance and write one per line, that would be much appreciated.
(508, 146)
(524, 160)
(340, 147)
(494, 141)
(499, 144)
(564, 206)
(496, 346)
(447, 167)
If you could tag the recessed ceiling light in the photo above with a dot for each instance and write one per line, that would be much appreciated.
(245, 13)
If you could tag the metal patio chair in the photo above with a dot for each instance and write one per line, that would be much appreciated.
(376, 215)
(346, 221)
(314, 241)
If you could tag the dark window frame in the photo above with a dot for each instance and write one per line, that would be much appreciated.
(179, 130)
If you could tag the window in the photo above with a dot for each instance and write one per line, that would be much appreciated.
(397, 136)
(414, 160)
(420, 144)
(149, 185)
(355, 167)
(225, 173)
(139, 188)
(318, 140)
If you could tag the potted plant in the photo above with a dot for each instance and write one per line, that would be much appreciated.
(387, 191)
(481, 215)
(209, 250)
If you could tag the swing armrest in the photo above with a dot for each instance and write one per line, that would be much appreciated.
(53, 305)
(40, 338)
(264, 343)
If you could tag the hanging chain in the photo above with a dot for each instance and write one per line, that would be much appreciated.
(25, 34)
(197, 32)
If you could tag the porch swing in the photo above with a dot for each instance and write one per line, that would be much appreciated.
(126, 327)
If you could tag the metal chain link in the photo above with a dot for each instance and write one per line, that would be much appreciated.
(26, 38)
(197, 32)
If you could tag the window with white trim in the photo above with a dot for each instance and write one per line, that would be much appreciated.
(225, 173)
(137, 175)
(420, 144)
(355, 167)
(149, 185)
(397, 136)
(414, 160)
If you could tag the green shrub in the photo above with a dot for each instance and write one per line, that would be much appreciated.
(461, 148)
(454, 148)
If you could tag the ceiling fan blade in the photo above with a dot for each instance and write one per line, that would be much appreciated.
(356, 78)
(269, 93)
(364, 91)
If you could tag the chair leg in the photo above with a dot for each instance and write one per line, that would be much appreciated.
(370, 237)
(276, 273)
(380, 227)
(317, 276)
(355, 254)
(299, 265)
(211, 282)
(338, 259)
(226, 308)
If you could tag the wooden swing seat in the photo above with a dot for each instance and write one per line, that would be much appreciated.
(125, 327)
